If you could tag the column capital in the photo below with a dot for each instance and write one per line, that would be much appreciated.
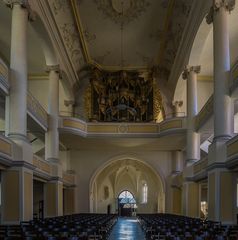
(189, 69)
(229, 5)
(177, 103)
(55, 68)
(68, 103)
(23, 4)
(10, 3)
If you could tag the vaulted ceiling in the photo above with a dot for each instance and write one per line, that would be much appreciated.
(135, 34)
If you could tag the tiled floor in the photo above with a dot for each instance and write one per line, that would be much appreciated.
(127, 229)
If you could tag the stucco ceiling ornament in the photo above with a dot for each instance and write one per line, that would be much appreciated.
(70, 36)
(60, 5)
(132, 9)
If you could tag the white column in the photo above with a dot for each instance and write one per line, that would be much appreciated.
(177, 162)
(223, 113)
(52, 136)
(17, 100)
(193, 138)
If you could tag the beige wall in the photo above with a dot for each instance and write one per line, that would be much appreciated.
(17, 195)
(190, 199)
(86, 163)
(10, 199)
(226, 197)
(64, 157)
(69, 201)
(40, 90)
(53, 199)
(38, 195)
(28, 195)
(177, 201)
(128, 175)
(205, 90)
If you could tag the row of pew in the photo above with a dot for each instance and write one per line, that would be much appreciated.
(174, 227)
(72, 227)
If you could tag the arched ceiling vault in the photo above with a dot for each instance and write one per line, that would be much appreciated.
(91, 32)
(126, 168)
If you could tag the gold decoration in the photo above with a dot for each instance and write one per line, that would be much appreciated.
(122, 96)
(88, 102)
(158, 105)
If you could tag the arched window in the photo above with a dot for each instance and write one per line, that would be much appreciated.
(126, 197)
(144, 193)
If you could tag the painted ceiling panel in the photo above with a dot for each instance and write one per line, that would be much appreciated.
(132, 34)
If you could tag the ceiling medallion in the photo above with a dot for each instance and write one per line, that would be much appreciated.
(122, 11)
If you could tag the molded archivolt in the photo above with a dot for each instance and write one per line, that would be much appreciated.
(126, 173)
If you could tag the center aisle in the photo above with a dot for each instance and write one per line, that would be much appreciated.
(127, 229)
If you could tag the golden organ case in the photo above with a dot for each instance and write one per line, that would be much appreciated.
(123, 96)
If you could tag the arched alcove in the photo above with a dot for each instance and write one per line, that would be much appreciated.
(131, 175)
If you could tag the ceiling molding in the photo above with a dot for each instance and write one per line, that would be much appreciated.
(205, 78)
(169, 14)
(38, 76)
(80, 29)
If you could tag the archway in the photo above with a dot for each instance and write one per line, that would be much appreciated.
(126, 174)
(126, 204)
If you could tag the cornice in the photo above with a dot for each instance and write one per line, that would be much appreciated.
(198, 12)
(205, 78)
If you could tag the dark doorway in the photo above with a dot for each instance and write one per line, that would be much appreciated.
(109, 209)
(126, 204)
(38, 199)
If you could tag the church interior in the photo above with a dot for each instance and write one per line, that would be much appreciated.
(118, 119)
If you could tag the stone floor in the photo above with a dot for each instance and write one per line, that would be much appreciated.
(127, 229)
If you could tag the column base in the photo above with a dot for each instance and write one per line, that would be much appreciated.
(18, 137)
(188, 172)
(217, 152)
(22, 151)
(56, 168)
(190, 162)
